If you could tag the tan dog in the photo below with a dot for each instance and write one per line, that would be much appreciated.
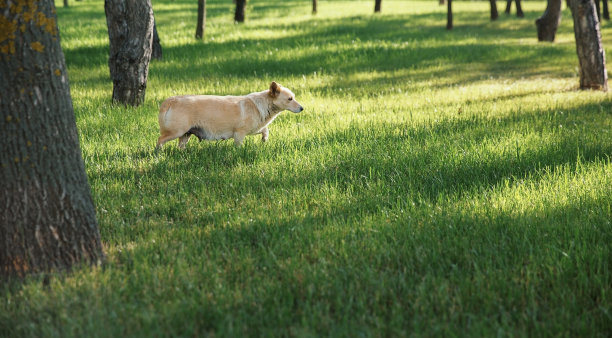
(222, 117)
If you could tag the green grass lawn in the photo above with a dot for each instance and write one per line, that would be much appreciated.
(437, 183)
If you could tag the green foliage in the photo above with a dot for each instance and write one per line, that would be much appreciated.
(438, 183)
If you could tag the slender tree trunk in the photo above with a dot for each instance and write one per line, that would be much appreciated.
(519, 9)
(449, 14)
(598, 10)
(314, 6)
(65, 3)
(377, 6)
(441, 2)
(156, 52)
(508, 6)
(201, 24)
(591, 55)
(130, 31)
(240, 8)
(548, 23)
(494, 14)
(47, 216)
(606, 13)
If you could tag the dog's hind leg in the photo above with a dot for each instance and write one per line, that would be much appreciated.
(238, 138)
(165, 137)
(183, 140)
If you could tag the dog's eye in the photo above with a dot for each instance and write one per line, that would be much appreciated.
(290, 98)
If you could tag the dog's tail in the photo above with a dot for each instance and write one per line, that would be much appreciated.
(163, 110)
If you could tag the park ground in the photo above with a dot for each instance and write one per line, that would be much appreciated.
(438, 182)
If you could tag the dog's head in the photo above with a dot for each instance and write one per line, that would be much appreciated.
(283, 98)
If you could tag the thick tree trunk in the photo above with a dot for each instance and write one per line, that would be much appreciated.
(606, 13)
(519, 9)
(449, 14)
(548, 23)
(201, 24)
(156, 52)
(591, 55)
(494, 14)
(47, 216)
(314, 6)
(130, 31)
(240, 8)
(377, 6)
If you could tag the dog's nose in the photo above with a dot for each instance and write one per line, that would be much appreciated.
(301, 108)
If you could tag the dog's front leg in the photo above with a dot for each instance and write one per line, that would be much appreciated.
(264, 134)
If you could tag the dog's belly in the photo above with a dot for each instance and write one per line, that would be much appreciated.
(204, 134)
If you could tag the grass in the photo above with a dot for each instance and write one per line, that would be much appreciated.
(438, 183)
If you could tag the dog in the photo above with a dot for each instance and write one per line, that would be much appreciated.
(211, 117)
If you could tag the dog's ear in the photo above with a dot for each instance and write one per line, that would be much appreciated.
(274, 89)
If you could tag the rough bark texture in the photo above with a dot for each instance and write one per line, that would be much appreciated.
(591, 55)
(377, 6)
(494, 14)
(314, 6)
(47, 216)
(156, 52)
(201, 23)
(449, 14)
(130, 31)
(240, 8)
(548, 23)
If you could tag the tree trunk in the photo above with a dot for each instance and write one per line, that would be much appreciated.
(519, 9)
(597, 10)
(548, 23)
(156, 52)
(47, 216)
(130, 30)
(508, 6)
(240, 8)
(201, 24)
(591, 55)
(377, 6)
(441, 2)
(494, 14)
(606, 13)
(65, 3)
(449, 14)
(314, 6)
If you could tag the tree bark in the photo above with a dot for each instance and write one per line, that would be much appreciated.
(591, 55)
(239, 15)
(548, 23)
(130, 31)
(519, 9)
(449, 14)
(508, 6)
(377, 6)
(156, 52)
(201, 23)
(494, 14)
(47, 215)
(314, 6)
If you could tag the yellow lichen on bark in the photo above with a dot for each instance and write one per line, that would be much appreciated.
(37, 46)
(58, 72)
(22, 12)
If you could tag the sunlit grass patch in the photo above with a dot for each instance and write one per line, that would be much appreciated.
(438, 183)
